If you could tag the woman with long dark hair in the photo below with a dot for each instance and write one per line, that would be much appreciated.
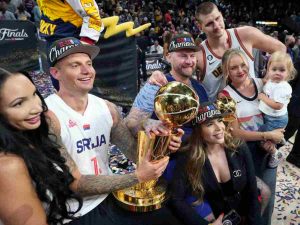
(218, 169)
(34, 179)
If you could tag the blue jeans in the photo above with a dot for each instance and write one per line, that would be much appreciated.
(272, 122)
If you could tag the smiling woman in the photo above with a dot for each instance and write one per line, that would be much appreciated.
(32, 171)
(20, 103)
(217, 170)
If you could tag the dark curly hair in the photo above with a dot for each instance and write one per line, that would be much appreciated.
(46, 166)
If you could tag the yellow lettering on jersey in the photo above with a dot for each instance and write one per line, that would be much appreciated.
(218, 71)
(47, 28)
(94, 24)
(91, 10)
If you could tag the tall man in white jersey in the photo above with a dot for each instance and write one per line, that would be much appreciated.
(218, 40)
(86, 125)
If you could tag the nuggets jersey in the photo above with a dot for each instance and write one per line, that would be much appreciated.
(248, 114)
(213, 76)
(66, 18)
(86, 138)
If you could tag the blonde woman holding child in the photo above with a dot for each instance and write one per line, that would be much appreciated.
(276, 96)
(245, 91)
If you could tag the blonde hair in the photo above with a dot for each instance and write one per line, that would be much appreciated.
(226, 60)
(283, 57)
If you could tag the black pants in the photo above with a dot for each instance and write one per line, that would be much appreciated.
(292, 127)
(109, 213)
(294, 156)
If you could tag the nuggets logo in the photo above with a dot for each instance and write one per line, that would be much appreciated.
(218, 71)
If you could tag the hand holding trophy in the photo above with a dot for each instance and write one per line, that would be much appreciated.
(175, 104)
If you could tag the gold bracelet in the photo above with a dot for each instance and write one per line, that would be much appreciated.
(264, 136)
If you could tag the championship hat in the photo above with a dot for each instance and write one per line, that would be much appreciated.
(67, 46)
(182, 41)
(207, 111)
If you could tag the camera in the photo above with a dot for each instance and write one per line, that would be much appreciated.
(231, 218)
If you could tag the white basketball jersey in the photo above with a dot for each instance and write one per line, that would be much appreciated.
(213, 76)
(247, 111)
(86, 138)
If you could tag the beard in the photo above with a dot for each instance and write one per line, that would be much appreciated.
(185, 72)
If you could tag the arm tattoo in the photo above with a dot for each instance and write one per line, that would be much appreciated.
(63, 151)
(135, 118)
(91, 185)
(123, 139)
(69, 161)
(121, 135)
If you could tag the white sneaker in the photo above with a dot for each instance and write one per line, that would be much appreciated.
(275, 159)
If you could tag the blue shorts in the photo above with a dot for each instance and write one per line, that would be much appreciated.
(272, 122)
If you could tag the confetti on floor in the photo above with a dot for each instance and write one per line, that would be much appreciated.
(118, 162)
(287, 199)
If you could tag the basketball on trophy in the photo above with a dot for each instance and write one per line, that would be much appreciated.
(176, 104)
(227, 106)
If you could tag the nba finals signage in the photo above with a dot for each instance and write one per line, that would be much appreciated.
(19, 46)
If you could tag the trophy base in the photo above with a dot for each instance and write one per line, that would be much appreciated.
(137, 200)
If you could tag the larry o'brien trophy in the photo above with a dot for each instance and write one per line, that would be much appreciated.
(175, 104)
(227, 106)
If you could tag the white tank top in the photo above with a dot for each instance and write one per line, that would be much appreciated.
(86, 138)
(248, 114)
(213, 76)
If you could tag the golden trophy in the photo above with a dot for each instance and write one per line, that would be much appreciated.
(227, 107)
(174, 104)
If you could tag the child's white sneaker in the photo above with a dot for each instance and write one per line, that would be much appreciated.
(275, 159)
